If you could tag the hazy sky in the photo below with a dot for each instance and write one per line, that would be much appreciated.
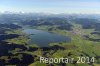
(51, 6)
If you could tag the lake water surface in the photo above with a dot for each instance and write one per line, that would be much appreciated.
(43, 38)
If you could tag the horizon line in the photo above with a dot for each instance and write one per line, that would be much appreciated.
(22, 12)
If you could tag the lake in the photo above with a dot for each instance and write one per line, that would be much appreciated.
(43, 38)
